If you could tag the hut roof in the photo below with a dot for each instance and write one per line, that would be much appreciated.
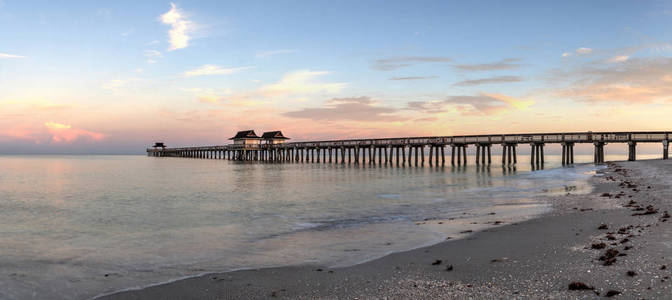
(274, 135)
(158, 144)
(245, 134)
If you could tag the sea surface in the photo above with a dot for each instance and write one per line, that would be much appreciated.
(76, 227)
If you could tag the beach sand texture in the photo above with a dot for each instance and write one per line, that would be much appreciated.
(615, 241)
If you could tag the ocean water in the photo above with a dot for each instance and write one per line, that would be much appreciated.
(75, 227)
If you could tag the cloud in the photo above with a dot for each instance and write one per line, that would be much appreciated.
(298, 84)
(618, 59)
(301, 82)
(566, 54)
(414, 78)
(179, 27)
(62, 133)
(393, 63)
(46, 106)
(213, 70)
(635, 80)
(496, 79)
(429, 107)
(116, 84)
(483, 104)
(583, 50)
(504, 64)
(151, 54)
(270, 53)
(6, 55)
(360, 109)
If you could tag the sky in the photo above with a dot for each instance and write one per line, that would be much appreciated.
(115, 76)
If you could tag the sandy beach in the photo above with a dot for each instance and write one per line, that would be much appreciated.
(614, 241)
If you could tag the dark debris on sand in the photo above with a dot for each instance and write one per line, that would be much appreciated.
(609, 257)
(578, 286)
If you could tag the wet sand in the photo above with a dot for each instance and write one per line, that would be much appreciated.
(615, 241)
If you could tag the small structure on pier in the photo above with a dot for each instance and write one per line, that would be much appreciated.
(274, 137)
(246, 137)
(159, 145)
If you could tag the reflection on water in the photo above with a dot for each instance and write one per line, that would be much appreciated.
(78, 226)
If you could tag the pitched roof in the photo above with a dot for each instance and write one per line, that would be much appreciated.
(274, 135)
(245, 134)
(159, 144)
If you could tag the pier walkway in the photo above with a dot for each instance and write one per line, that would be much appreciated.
(412, 150)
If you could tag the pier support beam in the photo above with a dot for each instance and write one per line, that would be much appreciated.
(598, 156)
(380, 156)
(422, 155)
(537, 154)
(388, 158)
(509, 155)
(632, 151)
(416, 155)
(481, 156)
(567, 153)
(666, 148)
(431, 155)
(443, 155)
(461, 151)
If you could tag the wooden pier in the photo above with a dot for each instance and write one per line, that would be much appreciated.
(411, 151)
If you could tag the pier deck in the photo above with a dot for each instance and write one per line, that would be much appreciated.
(406, 150)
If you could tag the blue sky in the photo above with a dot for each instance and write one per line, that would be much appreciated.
(116, 79)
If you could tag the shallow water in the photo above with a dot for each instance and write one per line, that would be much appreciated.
(81, 226)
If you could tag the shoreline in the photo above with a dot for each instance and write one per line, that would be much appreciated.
(499, 261)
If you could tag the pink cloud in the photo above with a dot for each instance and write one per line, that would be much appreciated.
(66, 134)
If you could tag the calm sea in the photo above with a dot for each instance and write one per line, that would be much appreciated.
(82, 226)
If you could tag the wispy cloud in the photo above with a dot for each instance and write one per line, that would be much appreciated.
(483, 104)
(504, 64)
(635, 80)
(6, 55)
(62, 133)
(618, 59)
(116, 84)
(213, 70)
(490, 80)
(362, 109)
(265, 54)
(152, 55)
(179, 27)
(302, 82)
(414, 78)
(393, 63)
(566, 54)
(584, 50)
